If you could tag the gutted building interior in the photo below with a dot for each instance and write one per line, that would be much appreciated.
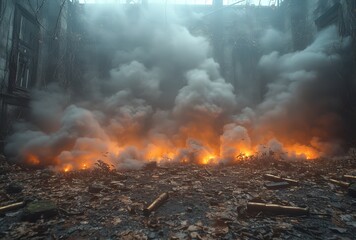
(236, 119)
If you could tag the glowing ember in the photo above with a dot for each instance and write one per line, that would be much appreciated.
(67, 168)
(208, 159)
(303, 152)
(32, 160)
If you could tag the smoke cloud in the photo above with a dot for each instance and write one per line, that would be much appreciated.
(156, 93)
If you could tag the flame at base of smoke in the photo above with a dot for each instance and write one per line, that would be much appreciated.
(85, 156)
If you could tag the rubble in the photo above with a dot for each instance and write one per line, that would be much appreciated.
(205, 202)
(95, 188)
(39, 209)
(150, 165)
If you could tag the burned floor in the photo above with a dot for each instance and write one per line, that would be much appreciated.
(256, 198)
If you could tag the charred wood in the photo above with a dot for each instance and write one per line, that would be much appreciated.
(350, 177)
(277, 185)
(11, 207)
(339, 183)
(274, 178)
(276, 209)
(155, 204)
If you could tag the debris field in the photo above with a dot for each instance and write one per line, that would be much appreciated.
(254, 198)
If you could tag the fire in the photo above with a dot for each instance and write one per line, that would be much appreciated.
(32, 160)
(245, 153)
(159, 153)
(67, 168)
(84, 166)
(303, 151)
(198, 153)
(208, 159)
(208, 147)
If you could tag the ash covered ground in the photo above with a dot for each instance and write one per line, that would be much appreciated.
(205, 202)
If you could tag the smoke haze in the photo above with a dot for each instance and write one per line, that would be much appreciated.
(162, 97)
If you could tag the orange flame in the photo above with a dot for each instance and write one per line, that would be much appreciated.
(208, 159)
(32, 160)
(303, 151)
(67, 168)
(205, 149)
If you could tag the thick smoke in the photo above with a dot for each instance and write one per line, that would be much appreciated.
(160, 96)
(304, 94)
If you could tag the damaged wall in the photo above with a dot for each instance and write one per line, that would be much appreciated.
(33, 42)
(342, 14)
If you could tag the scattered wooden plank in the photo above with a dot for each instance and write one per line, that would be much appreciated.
(11, 207)
(350, 177)
(276, 209)
(276, 185)
(280, 179)
(339, 183)
(155, 204)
